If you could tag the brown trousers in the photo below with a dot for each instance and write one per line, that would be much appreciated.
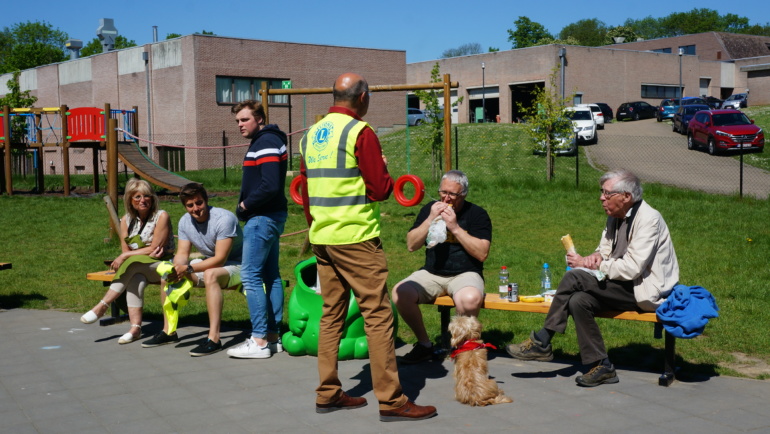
(363, 268)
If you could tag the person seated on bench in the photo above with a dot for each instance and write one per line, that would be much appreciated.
(146, 236)
(216, 234)
(640, 269)
(453, 267)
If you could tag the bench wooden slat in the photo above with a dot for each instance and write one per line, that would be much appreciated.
(101, 276)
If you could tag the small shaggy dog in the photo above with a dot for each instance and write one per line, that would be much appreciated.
(473, 385)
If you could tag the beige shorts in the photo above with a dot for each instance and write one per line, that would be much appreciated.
(431, 286)
(234, 270)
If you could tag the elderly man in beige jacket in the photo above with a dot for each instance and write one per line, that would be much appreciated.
(634, 268)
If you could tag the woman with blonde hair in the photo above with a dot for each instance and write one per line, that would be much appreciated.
(146, 237)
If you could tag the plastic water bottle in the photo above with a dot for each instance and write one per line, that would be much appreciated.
(503, 285)
(545, 279)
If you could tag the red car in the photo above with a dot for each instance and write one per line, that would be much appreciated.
(724, 130)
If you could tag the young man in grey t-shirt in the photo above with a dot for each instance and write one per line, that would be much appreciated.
(216, 234)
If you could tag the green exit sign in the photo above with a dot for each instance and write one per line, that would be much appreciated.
(286, 84)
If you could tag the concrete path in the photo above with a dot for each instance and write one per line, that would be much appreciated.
(657, 154)
(58, 375)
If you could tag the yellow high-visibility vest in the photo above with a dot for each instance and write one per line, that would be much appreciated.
(342, 213)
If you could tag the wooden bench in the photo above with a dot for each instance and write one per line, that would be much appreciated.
(493, 301)
(5, 265)
(119, 304)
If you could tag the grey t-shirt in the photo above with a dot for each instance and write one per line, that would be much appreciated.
(204, 236)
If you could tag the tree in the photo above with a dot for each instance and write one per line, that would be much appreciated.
(547, 120)
(30, 44)
(647, 28)
(95, 45)
(434, 143)
(173, 35)
(527, 33)
(589, 33)
(16, 98)
(177, 35)
(462, 50)
(624, 32)
(694, 21)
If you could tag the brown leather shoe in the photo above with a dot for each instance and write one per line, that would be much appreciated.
(344, 403)
(409, 411)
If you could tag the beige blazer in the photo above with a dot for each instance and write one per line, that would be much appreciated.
(650, 261)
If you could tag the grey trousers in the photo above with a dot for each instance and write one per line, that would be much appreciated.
(579, 294)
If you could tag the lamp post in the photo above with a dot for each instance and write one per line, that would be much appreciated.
(681, 52)
(483, 94)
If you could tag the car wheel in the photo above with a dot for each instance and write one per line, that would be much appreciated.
(673, 127)
(417, 122)
(712, 146)
(658, 118)
(690, 143)
(596, 138)
(636, 116)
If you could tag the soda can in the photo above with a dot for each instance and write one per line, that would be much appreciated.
(513, 292)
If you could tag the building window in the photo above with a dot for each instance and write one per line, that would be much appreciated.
(688, 49)
(660, 91)
(231, 90)
(662, 50)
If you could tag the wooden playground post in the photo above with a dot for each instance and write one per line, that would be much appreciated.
(7, 156)
(264, 93)
(447, 124)
(112, 160)
(39, 161)
(65, 148)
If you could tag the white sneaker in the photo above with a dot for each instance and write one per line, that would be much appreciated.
(275, 347)
(250, 350)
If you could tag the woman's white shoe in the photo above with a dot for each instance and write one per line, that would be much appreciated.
(91, 316)
(128, 337)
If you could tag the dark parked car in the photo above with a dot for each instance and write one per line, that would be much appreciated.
(666, 109)
(635, 110)
(724, 130)
(693, 100)
(737, 101)
(607, 111)
(683, 115)
(713, 102)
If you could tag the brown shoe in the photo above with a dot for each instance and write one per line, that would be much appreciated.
(408, 411)
(344, 403)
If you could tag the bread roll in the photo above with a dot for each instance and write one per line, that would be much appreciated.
(568, 245)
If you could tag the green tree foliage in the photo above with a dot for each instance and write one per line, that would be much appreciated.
(173, 35)
(30, 44)
(547, 120)
(16, 98)
(434, 143)
(177, 35)
(694, 21)
(95, 46)
(493, 49)
(462, 50)
(589, 33)
(621, 32)
(528, 33)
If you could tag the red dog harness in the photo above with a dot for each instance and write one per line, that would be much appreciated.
(470, 346)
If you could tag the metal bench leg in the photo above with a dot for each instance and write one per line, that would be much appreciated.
(669, 369)
(445, 312)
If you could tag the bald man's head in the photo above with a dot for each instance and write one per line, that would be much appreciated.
(352, 91)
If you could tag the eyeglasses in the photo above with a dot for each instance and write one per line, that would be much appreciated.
(139, 197)
(450, 194)
(609, 194)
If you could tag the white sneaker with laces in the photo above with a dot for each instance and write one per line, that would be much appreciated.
(250, 350)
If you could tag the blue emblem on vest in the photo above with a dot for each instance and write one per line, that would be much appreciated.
(323, 134)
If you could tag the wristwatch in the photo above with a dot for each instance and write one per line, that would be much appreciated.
(190, 269)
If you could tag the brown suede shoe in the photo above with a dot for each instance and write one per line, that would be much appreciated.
(409, 411)
(344, 403)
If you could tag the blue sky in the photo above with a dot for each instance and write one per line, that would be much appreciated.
(424, 29)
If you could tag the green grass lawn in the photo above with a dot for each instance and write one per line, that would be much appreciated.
(722, 243)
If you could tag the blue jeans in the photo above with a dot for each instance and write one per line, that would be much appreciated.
(260, 273)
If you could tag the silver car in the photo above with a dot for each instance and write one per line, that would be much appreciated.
(415, 116)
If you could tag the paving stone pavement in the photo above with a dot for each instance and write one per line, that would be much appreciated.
(58, 375)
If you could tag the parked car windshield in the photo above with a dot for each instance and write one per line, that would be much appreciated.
(726, 119)
(691, 110)
(580, 115)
